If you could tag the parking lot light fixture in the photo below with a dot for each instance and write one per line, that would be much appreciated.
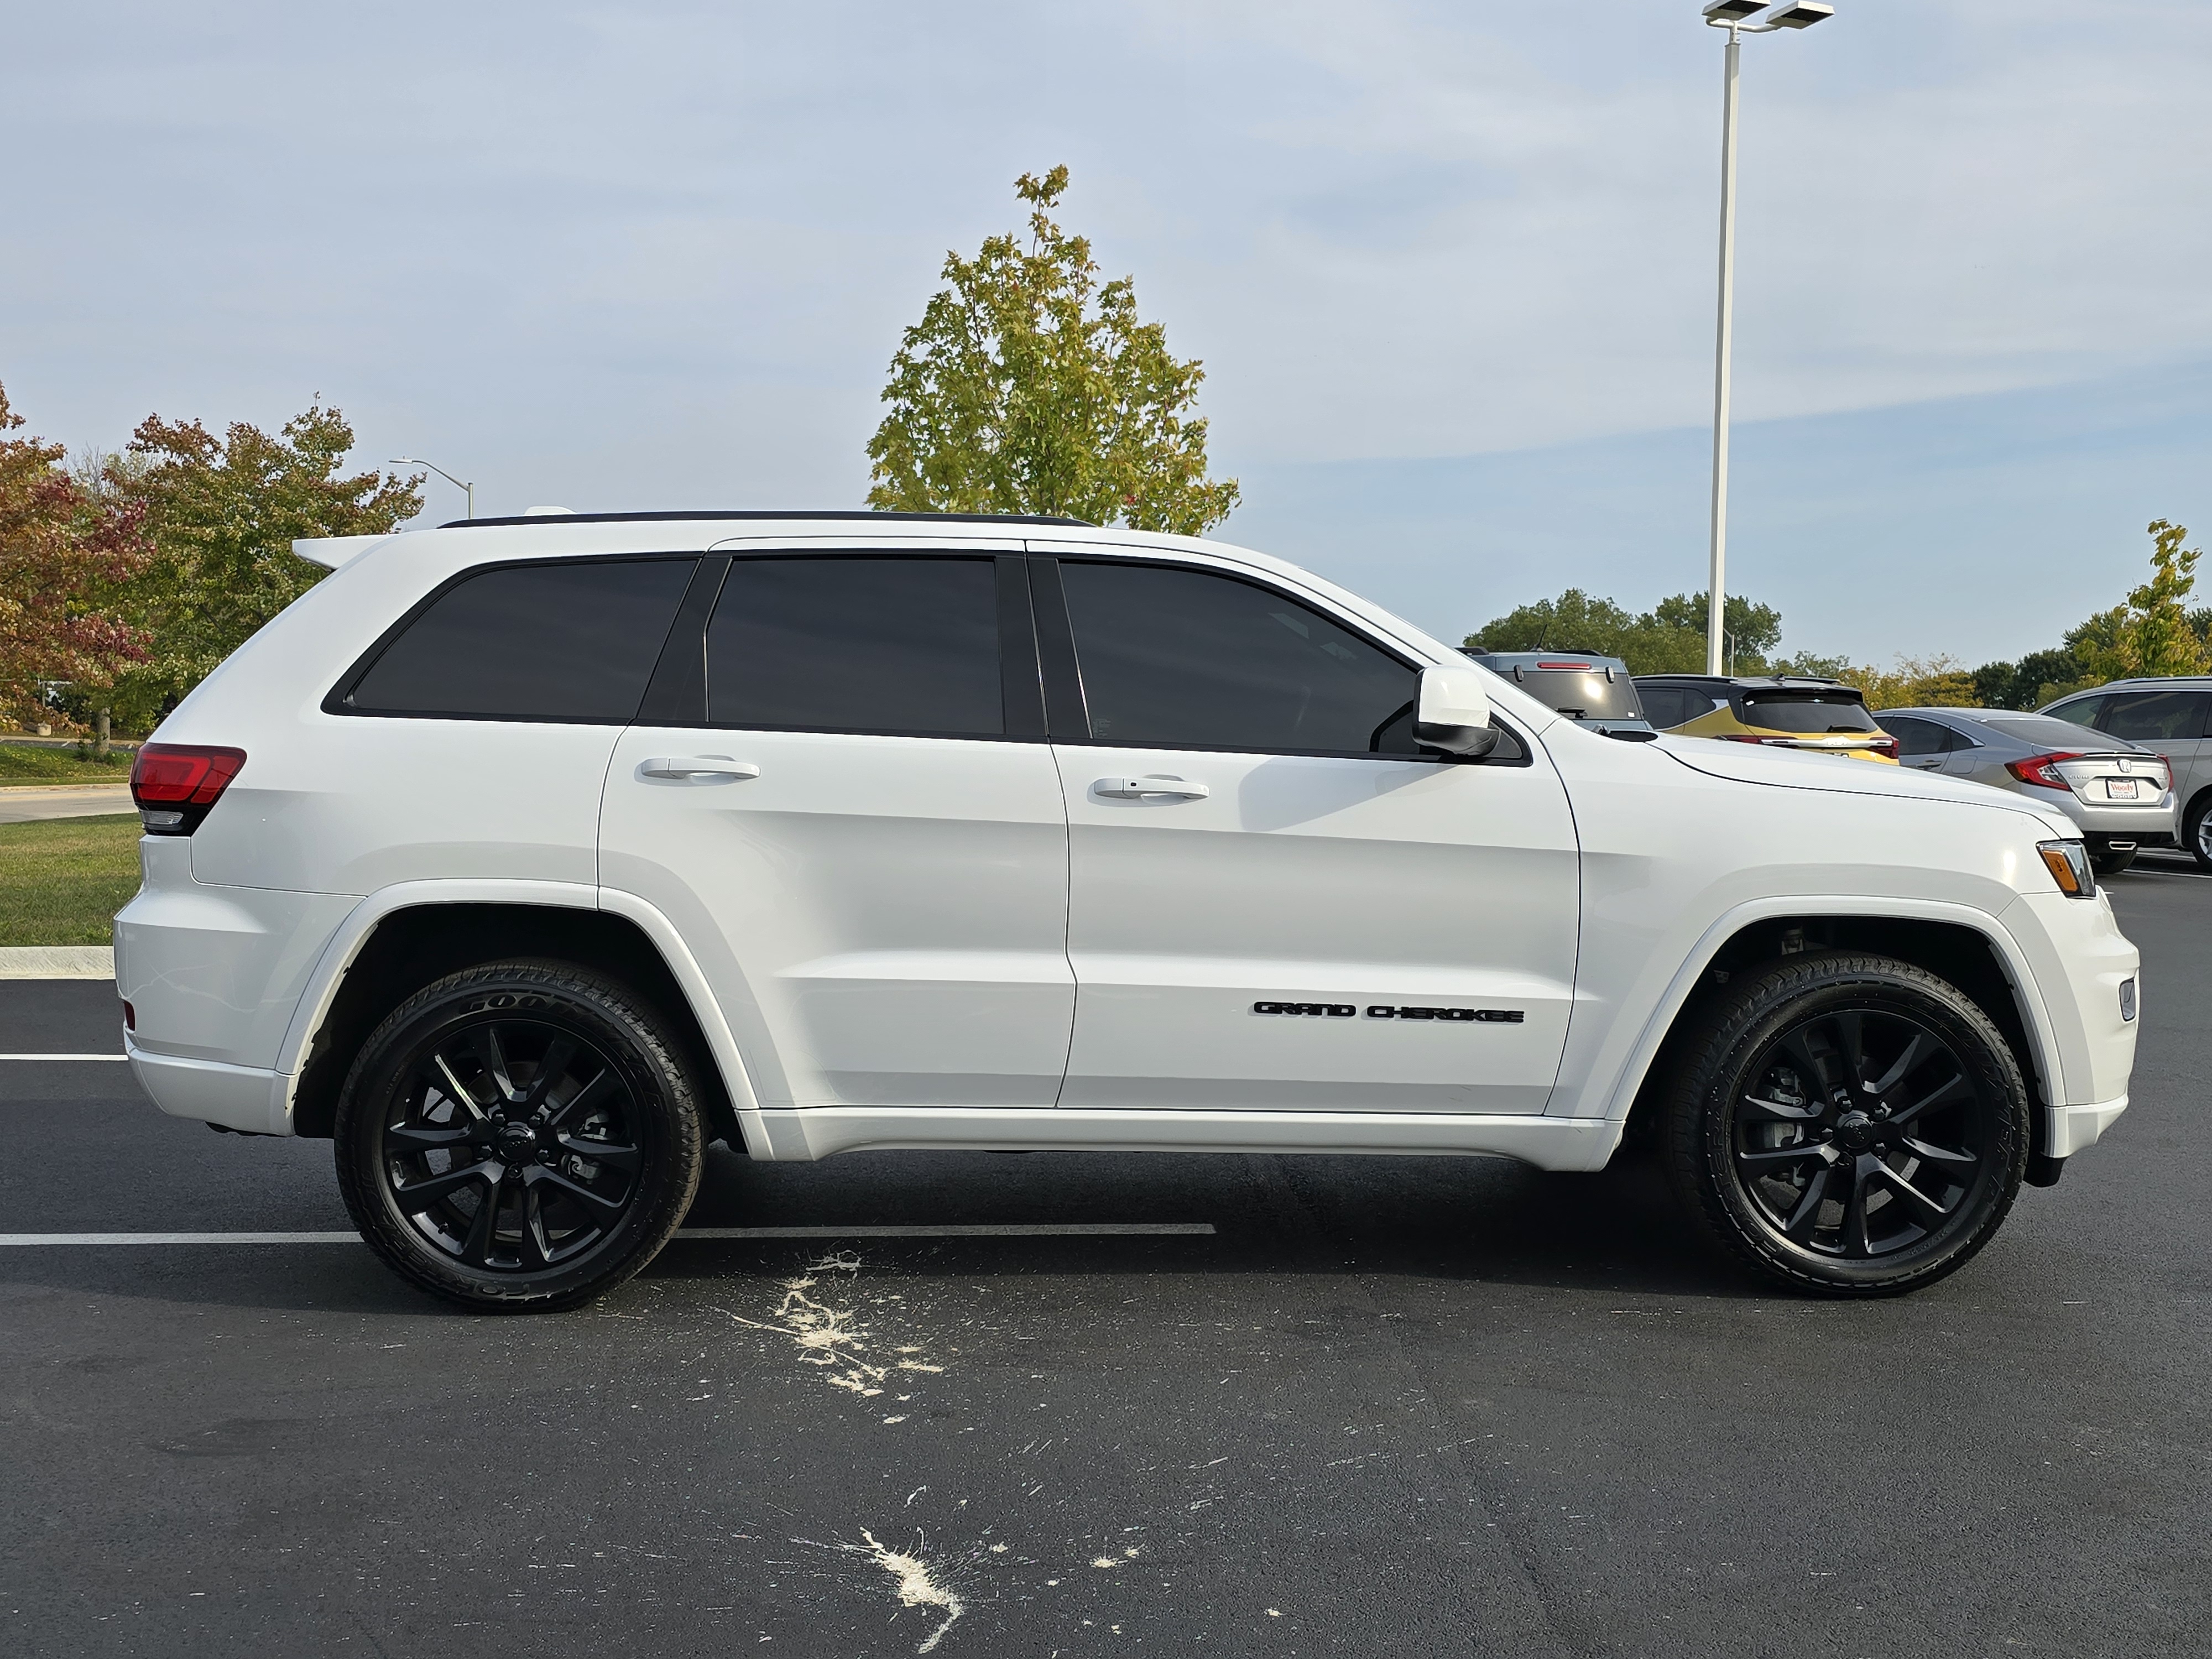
(467, 489)
(1733, 15)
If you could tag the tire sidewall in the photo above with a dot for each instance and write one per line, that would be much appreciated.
(1787, 997)
(666, 1124)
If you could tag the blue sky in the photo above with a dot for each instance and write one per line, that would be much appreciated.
(1450, 266)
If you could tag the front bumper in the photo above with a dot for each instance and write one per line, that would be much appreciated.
(2068, 1129)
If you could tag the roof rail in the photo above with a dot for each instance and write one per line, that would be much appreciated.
(840, 515)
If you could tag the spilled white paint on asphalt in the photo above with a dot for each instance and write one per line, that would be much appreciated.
(833, 1338)
(916, 1585)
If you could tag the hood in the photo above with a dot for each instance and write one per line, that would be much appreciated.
(1792, 768)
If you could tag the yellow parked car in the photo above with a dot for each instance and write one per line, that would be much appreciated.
(1787, 713)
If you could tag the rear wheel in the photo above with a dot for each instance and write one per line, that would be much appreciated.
(2106, 862)
(1850, 1124)
(2197, 831)
(519, 1135)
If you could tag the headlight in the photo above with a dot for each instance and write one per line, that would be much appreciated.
(2068, 864)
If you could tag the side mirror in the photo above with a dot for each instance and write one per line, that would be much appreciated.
(1451, 712)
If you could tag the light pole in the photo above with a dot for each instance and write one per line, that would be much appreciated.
(1734, 15)
(468, 489)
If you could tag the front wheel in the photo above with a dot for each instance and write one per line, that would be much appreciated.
(1850, 1124)
(519, 1135)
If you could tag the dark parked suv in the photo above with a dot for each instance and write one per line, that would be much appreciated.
(1583, 686)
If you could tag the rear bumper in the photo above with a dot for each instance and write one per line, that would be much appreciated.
(244, 1098)
(2068, 1129)
(2140, 823)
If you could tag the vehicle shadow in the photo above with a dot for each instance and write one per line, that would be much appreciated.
(1456, 1219)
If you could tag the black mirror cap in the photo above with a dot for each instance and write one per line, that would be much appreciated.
(1472, 741)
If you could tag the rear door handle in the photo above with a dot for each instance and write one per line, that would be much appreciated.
(697, 766)
(1138, 788)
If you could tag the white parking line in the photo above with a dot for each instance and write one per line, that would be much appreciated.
(64, 1056)
(1011, 1230)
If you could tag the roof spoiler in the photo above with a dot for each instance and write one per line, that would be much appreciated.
(332, 551)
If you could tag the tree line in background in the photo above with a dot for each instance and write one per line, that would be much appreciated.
(126, 578)
(1027, 388)
(2154, 631)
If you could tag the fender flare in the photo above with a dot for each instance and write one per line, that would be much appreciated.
(361, 923)
(2027, 996)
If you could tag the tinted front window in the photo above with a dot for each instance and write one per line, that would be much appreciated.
(1785, 713)
(567, 641)
(2155, 716)
(899, 645)
(1183, 659)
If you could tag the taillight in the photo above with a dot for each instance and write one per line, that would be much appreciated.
(175, 784)
(2041, 771)
(1881, 744)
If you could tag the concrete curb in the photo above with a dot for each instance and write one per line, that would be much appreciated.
(57, 962)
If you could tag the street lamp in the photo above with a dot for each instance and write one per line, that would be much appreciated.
(468, 489)
(1734, 16)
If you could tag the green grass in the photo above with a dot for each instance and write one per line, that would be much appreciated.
(62, 880)
(39, 763)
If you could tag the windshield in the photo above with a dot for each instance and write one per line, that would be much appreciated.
(1799, 711)
(2045, 732)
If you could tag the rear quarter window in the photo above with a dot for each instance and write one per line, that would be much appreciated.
(570, 642)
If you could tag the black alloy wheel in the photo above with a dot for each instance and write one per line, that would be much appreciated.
(519, 1135)
(1850, 1124)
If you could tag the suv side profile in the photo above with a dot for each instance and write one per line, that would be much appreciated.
(523, 857)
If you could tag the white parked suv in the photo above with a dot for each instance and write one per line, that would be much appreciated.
(522, 858)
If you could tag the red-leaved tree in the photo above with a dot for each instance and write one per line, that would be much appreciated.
(63, 548)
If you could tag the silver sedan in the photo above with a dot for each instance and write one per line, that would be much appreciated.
(2119, 792)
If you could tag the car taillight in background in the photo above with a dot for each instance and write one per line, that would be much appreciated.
(2042, 770)
(175, 784)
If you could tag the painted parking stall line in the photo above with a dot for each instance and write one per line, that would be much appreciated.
(68, 1057)
(1011, 1230)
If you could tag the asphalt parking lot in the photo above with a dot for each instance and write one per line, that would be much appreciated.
(1416, 1406)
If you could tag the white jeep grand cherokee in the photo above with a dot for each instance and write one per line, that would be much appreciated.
(522, 858)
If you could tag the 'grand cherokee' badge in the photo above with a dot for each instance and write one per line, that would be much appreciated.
(1386, 1010)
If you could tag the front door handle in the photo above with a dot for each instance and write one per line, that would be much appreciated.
(697, 766)
(1138, 788)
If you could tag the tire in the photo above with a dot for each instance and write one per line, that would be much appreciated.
(586, 1149)
(2110, 864)
(2197, 831)
(1780, 1125)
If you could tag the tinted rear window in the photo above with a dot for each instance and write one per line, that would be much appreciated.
(2080, 711)
(2156, 716)
(1920, 736)
(570, 642)
(1588, 696)
(2044, 732)
(1784, 712)
(908, 646)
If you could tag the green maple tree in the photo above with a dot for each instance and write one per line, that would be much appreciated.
(1028, 386)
